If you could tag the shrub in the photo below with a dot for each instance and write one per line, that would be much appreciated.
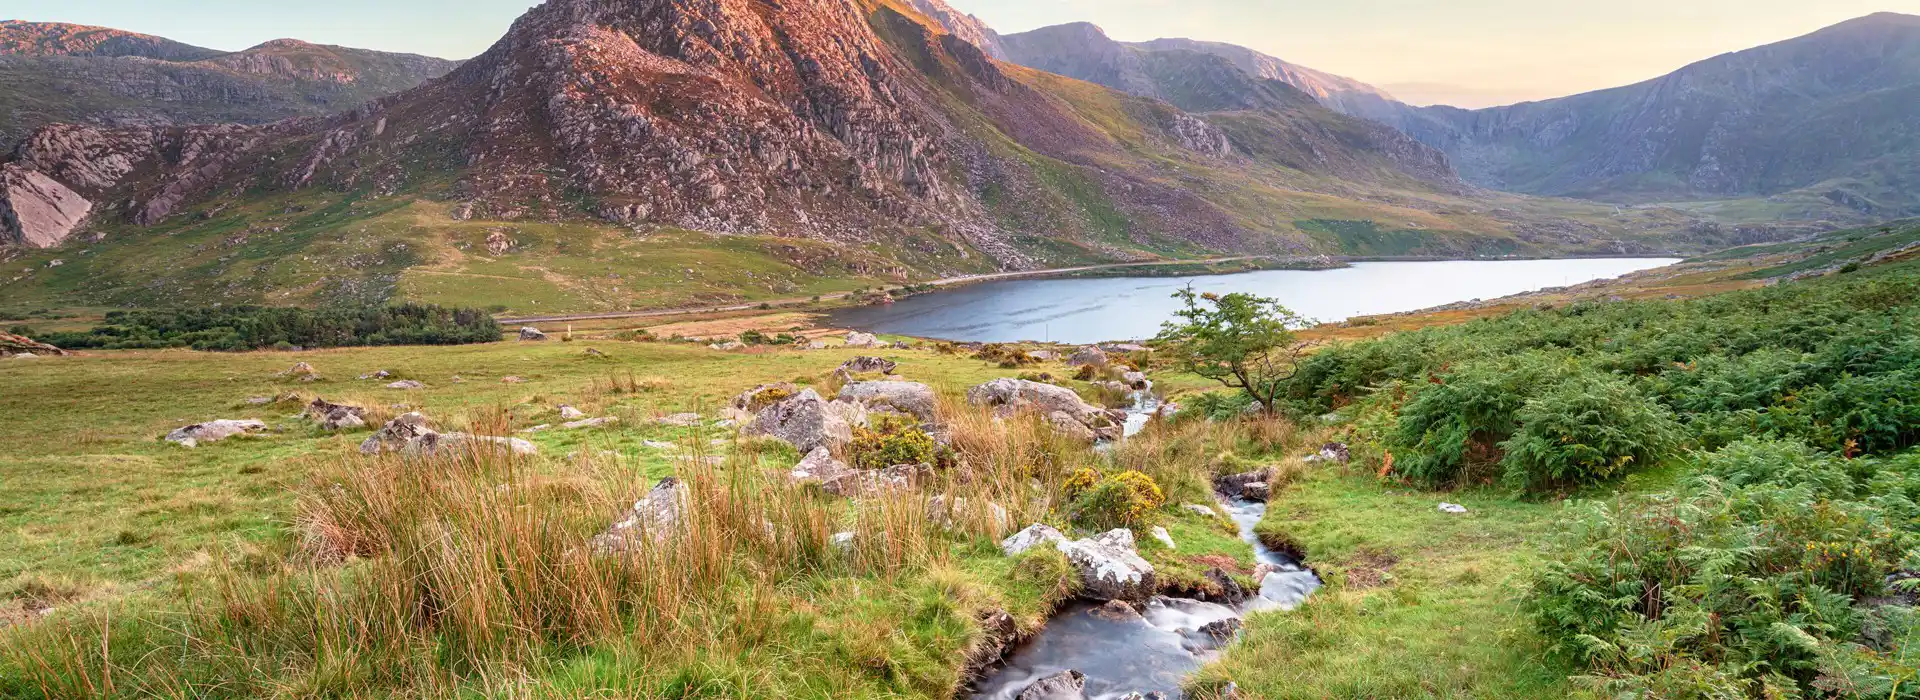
(1079, 481)
(1086, 373)
(1457, 421)
(1721, 591)
(894, 440)
(1584, 430)
(1125, 499)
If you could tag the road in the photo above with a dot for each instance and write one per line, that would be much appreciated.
(947, 282)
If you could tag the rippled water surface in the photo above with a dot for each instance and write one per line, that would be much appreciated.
(1119, 308)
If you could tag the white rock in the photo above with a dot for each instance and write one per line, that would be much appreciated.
(571, 413)
(1453, 508)
(1166, 538)
(1109, 567)
(1034, 536)
(214, 431)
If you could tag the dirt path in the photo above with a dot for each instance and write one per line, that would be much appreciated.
(947, 282)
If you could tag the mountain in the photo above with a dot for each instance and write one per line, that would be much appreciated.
(1827, 123)
(1170, 68)
(52, 72)
(784, 141)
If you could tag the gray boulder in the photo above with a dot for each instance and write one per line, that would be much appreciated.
(858, 339)
(1110, 567)
(333, 416)
(859, 483)
(1009, 396)
(819, 466)
(911, 398)
(395, 435)
(457, 443)
(753, 400)
(1235, 485)
(867, 365)
(1136, 380)
(1065, 685)
(808, 422)
(657, 515)
(530, 333)
(406, 384)
(570, 413)
(214, 431)
(1090, 355)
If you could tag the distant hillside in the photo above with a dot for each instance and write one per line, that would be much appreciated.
(52, 73)
(607, 154)
(1827, 124)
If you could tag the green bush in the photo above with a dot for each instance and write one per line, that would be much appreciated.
(1125, 499)
(1452, 428)
(1586, 429)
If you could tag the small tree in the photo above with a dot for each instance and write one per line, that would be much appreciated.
(1243, 341)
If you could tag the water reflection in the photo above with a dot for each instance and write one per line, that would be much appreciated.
(1119, 308)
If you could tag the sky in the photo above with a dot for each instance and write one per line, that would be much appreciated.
(1470, 53)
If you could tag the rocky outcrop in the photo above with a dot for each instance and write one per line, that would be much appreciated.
(1062, 408)
(1110, 568)
(395, 435)
(808, 422)
(333, 416)
(37, 211)
(909, 398)
(1065, 685)
(214, 431)
(869, 365)
(11, 345)
(1035, 535)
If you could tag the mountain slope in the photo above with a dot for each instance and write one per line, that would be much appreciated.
(1829, 116)
(598, 132)
(52, 72)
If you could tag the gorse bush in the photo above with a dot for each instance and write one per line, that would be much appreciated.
(256, 327)
(1125, 499)
(895, 440)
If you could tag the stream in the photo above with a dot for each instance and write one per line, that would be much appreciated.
(1152, 652)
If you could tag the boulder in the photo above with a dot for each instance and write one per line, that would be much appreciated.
(583, 424)
(1335, 452)
(1257, 491)
(858, 339)
(807, 422)
(1015, 395)
(1043, 355)
(1109, 567)
(1090, 355)
(1065, 685)
(657, 515)
(1204, 511)
(214, 431)
(1065, 424)
(865, 365)
(406, 385)
(728, 346)
(333, 416)
(395, 435)
(1228, 590)
(300, 369)
(1137, 380)
(1166, 538)
(1221, 631)
(571, 413)
(1235, 485)
(753, 400)
(859, 483)
(1035, 535)
(529, 333)
(819, 466)
(457, 443)
(377, 374)
(911, 398)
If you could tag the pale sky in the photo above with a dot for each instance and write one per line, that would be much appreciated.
(1466, 52)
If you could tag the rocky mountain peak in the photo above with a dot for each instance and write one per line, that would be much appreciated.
(24, 38)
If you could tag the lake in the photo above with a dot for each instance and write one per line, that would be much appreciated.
(1091, 310)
